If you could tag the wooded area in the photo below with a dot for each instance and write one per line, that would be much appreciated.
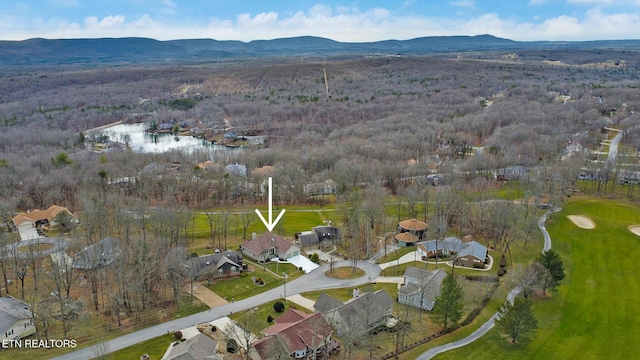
(377, 126)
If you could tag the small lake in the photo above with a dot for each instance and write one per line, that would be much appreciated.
(140, 141)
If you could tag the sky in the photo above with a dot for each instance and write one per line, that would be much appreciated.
(341, 20)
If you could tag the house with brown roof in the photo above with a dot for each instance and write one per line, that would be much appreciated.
(296, 334)
(27, 222)
(268, 246)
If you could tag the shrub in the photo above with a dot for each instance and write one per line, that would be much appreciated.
(177, 335)
(269, 318)
(214, 328)
(503, 261)
(243, 274)
(278, 306)
(501, 271)
(315, 258)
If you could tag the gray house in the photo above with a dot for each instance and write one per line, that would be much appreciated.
(199, 347)
(318, 236)
(421, 287)
(101, 254)
(218, 264)
(15, 319)
(357, 316)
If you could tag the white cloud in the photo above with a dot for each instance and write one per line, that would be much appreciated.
(537, 2)
(338, 23)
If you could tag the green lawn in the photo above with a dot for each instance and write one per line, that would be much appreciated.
(594, 313)
(155, 347)
(243, 287)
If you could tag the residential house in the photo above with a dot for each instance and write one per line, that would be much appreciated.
(511, 173)
(218, 264)
(445, 247)
(318, 236)
(416, 228)
(326, 187)
(207, 165)
(421, 287)
(199, 347)
(358, 315)
(473, 255)
(269, 245)
(25, 223)
(15, 319)
(435, 179)
(97, 255)
(300, 335)
(256, 140)
(467, 253)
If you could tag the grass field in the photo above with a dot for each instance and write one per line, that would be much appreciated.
(593, 315)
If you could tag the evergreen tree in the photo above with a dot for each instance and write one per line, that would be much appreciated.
(448, 307)
(552, 262)
(517, 319)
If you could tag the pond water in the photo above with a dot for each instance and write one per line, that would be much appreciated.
(140, 141)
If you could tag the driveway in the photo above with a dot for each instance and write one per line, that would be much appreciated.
(205, 295)
(28, 233)
(22, 247)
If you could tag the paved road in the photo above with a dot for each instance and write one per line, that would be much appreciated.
(315, 280)
(491, 322)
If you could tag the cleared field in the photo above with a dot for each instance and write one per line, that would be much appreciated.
(592, 316)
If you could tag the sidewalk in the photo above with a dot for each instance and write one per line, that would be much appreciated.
(302, 301)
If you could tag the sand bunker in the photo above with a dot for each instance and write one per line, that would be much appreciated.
(582, 221)
(635, 229)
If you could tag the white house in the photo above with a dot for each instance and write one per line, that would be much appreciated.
(15, 319)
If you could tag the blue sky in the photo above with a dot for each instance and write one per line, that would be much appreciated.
(343, 20)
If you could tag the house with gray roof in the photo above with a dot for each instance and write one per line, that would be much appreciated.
(359, 315)
(317, 236)
(218, 264)
(199, 347)
(445, 247)
(473, 255)
(421, 287)
(98, 255)
(15, 319)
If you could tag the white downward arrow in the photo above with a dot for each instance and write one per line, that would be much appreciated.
(270, 224)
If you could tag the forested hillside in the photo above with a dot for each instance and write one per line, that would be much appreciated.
(371, 119)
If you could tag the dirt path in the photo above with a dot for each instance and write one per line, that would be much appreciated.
(205, 295)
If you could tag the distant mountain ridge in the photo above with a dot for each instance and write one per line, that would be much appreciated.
(40, 51)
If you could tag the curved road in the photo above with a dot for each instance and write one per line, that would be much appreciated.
(491, 322)
(315, 280)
